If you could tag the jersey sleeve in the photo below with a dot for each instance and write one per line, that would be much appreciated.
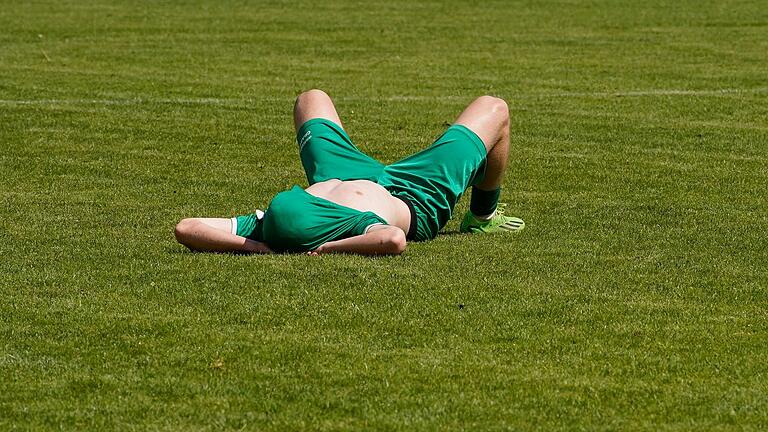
(365, 222)
(248, 226)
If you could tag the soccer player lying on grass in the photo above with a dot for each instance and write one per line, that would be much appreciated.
(355, 204)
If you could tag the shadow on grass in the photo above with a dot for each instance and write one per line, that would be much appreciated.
(172, 250)
(181, 250)
(451, 233)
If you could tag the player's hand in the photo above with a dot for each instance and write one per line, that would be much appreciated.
(253, 246)
(317, 251)
(265, 249)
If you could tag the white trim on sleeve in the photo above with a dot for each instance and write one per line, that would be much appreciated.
(234, 225)
(370, 226)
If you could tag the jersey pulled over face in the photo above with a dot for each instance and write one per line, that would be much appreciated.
(298, 221)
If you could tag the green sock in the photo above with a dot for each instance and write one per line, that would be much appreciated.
(483, 203)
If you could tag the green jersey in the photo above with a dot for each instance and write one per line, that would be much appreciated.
(299, 221)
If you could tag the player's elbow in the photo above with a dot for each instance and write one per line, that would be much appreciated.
(395, 242)
(185, 231)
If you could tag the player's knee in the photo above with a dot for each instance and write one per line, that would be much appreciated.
(497, 106)
(312, 96)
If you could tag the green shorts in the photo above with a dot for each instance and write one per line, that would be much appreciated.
(430, 181)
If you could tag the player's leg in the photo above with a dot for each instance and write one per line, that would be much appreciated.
(314, 104)
(325, 148)
(214, 235)
(488, 117)
(472, 152)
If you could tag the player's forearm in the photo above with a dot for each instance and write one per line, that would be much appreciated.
(390, 241)
(203, 238)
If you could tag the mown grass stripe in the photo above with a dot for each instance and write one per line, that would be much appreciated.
(398, 98)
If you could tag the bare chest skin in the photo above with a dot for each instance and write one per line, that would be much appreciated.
(364, 195)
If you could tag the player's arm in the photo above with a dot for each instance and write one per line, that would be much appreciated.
(214, 235)
(379, 240)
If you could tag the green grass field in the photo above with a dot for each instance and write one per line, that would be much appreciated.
(636, 298)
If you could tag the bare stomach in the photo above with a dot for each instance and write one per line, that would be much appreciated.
(364, 195)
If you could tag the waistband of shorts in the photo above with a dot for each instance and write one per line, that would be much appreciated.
(412, 226)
